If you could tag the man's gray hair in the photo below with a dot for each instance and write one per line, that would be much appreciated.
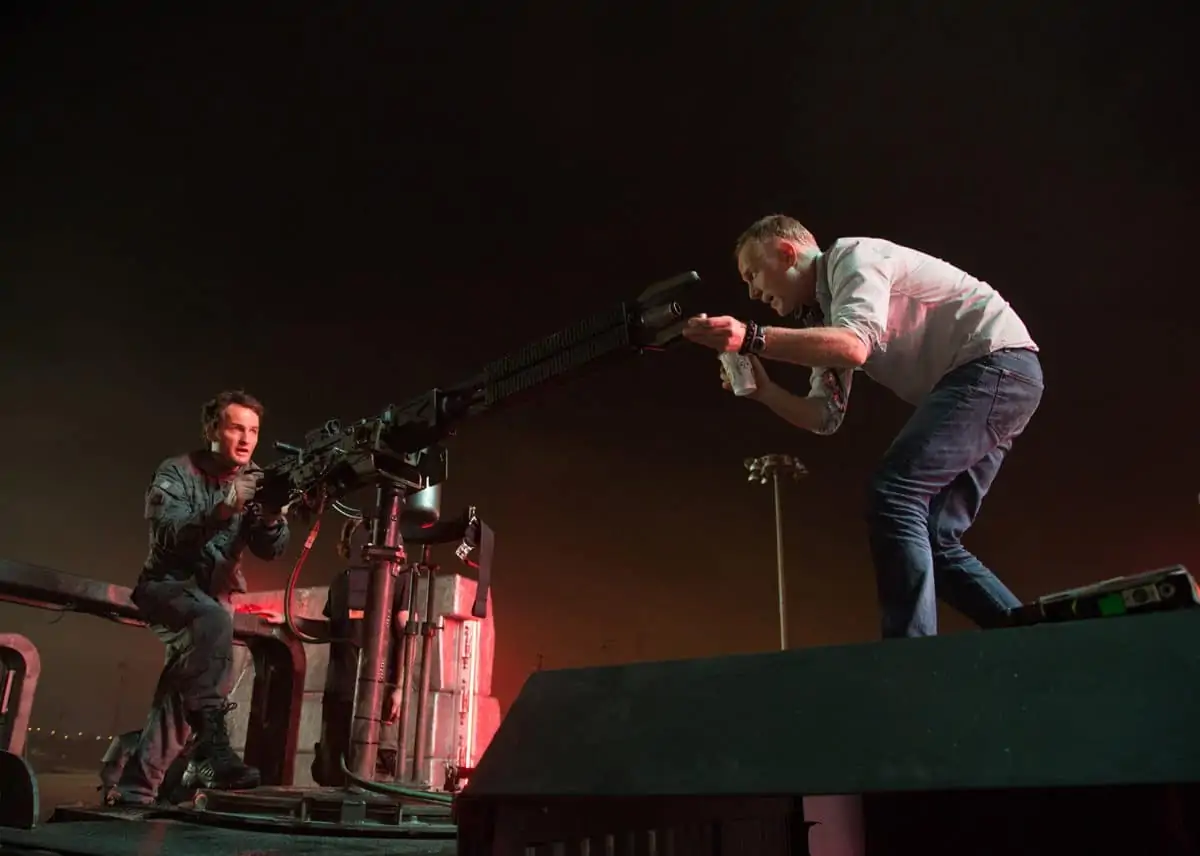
(775, 226)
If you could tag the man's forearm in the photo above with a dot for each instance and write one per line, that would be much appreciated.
(827, 347)
(810, 413)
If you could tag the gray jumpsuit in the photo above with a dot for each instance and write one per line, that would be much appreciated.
(183, 593)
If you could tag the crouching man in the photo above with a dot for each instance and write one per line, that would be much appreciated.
(202, 518)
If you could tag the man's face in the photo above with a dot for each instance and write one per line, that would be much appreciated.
(236, 436)
(768, 269)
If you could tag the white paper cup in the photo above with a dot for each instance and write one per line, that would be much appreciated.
(739, 373)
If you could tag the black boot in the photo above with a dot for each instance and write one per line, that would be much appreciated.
(214, 764)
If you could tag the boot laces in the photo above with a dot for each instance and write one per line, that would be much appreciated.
(220, 750)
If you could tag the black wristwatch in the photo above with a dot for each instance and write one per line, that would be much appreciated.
(755, 341)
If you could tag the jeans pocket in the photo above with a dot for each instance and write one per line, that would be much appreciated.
(1020, 364)
(1016, 400)
(1015, 375)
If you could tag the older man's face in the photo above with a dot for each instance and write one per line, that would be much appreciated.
(765, 267)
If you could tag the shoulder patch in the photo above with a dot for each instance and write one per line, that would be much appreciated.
(168, 482)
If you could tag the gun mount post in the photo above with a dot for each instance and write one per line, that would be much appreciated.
(385, 554)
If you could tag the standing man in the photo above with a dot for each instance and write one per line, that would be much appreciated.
(943, 341)
(201, 521)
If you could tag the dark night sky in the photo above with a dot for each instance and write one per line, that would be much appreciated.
(340, 210)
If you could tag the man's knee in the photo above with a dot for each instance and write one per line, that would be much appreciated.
(944, 538)
(890, 496)
(212, 631)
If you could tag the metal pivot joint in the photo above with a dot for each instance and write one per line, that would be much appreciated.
(378, 553)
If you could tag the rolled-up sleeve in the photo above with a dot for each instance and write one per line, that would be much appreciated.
(832, 388)
(860, 289)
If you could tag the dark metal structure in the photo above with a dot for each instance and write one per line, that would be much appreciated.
(279, 658)
(1072, 737)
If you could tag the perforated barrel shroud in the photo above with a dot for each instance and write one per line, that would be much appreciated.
(558, 354)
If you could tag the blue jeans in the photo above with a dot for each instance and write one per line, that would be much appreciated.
(930, 485)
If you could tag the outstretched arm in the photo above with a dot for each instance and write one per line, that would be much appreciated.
(836, 347)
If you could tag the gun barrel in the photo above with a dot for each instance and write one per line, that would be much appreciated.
(653, 321)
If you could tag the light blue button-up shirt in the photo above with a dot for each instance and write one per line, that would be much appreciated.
(921, 317)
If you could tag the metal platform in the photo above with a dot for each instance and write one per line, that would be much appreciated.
(282, 821)
(159, 836)
(354, 814)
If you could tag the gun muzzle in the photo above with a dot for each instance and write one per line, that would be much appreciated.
(660, 316)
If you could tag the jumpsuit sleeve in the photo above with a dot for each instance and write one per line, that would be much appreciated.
(267, 539)
(177, 521)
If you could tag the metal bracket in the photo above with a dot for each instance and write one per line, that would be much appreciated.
(379, 552)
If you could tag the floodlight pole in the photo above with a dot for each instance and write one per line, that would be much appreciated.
(782, 583)
(772, 467)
